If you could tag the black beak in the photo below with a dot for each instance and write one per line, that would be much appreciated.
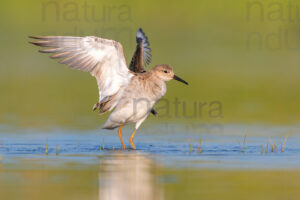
(179, 79)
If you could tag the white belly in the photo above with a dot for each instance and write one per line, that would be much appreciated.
(131, 111)
(134, 106)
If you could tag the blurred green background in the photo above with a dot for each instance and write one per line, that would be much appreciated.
(242, 54)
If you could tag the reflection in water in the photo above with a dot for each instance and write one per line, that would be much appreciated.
(128, 176)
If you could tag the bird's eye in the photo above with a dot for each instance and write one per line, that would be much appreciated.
(165, 71)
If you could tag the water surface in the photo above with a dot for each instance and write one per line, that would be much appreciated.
(65, 164)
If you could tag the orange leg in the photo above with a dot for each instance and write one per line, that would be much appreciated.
(120, 135)
(131, 139)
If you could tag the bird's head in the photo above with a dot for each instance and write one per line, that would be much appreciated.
(166, 73)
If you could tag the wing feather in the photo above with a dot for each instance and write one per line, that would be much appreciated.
(142, 56)
(103, 58)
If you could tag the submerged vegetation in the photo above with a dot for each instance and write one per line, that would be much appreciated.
(243, 146)
(274, 146)
(272, 142)
(199, 146)
(46, 148)
(284, 143)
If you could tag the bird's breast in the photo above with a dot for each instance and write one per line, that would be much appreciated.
(144, 88)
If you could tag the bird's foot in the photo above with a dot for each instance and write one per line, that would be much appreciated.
(124, 147)
(131, 143)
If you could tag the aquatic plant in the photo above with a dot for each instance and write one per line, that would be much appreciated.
(271, 143)
(267, 147)
(200, 148)
(243, 147)
(275, 146)
(46, 148)
(284, 143)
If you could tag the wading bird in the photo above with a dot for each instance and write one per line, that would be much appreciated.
(130, 93)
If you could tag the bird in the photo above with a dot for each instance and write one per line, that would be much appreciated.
(128, 93)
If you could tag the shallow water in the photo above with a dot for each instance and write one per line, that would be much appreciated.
(164, 166)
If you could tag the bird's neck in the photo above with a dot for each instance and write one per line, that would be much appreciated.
(158, 85)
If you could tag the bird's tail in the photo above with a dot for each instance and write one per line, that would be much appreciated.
(110, 125)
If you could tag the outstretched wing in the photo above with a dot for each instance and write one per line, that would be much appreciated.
(142, 55)
(103, 58)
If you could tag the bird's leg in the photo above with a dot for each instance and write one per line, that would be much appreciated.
(131, 139)
(120, 135)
